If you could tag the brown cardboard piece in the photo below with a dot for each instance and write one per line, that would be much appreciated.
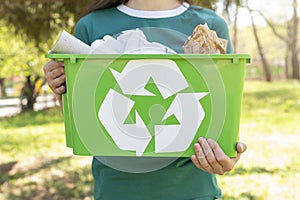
(204, 41)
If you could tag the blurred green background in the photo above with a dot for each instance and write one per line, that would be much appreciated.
(34, 162)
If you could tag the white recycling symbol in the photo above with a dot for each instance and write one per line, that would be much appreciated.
(169, 81)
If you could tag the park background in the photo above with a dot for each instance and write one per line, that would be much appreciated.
(34, 162)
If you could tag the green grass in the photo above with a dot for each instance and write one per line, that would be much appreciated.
(35, 164)
(270, 126)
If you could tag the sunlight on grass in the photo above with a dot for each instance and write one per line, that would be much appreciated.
(23, 135)
(35, 164)
(270, 127)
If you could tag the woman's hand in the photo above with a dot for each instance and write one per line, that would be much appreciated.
(55, 76)
(211, 158)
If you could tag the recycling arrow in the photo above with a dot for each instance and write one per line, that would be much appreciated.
(113, 112)
(165, 73)
(169, 81)
(189, 112)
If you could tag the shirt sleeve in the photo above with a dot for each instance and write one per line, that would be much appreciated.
(221, 28)
(81, 31)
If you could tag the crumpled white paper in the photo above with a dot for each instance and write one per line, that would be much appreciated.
(128, 42)
(67, 43)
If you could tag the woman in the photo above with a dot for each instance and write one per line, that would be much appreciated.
(168, 22)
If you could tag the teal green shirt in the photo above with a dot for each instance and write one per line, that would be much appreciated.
(171, 31)
(180, 180)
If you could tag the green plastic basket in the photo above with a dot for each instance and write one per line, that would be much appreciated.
(158, 93)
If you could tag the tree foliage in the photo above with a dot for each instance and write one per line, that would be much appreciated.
(17, 57)
(211, 4)
(40, 20)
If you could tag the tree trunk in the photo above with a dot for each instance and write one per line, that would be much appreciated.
(235, 29)
(287, 69)
(2, 88)
(287, 64)
(294, 43)
(259, 47)
(28, 94)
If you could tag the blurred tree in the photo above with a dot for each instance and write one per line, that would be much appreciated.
(292, 66)
(40, 20)
(264, 61)
(210, 4)
(229, 7)
(18, 58)
(294, 42)
(34, 24)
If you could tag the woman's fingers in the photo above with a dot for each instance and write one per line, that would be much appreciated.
(241, 148)
(51, 65)
(59, 90)
(55, 73)
(56, 82)
(55, 76)
(210, 156)
(220, 156)
(200, 160)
